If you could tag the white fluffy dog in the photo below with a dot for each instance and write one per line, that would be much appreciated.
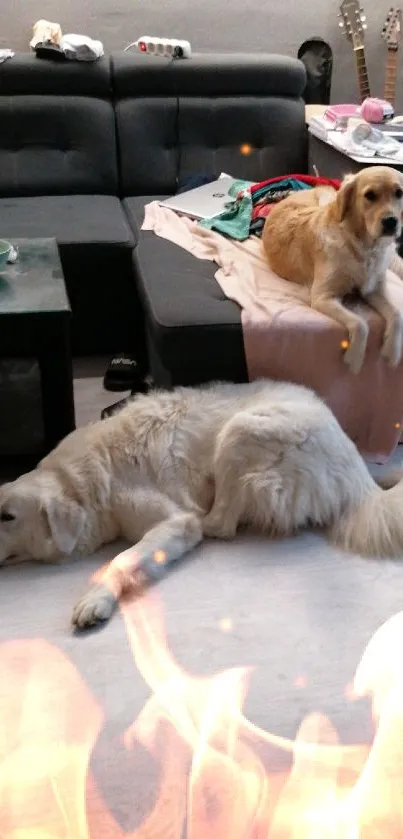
(171, 468)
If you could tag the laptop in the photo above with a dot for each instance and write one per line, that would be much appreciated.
(204, 201)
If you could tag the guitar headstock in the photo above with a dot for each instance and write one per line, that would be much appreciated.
(392, 28)
(353, 22)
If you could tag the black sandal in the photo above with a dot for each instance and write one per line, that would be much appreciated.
(122, 373)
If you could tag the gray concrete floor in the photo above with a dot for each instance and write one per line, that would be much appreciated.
(296, 612)
(89, 394)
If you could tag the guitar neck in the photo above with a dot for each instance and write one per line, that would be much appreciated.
(362, 73)
(390, 77)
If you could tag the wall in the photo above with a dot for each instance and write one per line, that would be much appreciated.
(211, 25)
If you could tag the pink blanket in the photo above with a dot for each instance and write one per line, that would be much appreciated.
(285, 339)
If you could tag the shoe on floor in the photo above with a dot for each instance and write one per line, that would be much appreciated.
(122, 373)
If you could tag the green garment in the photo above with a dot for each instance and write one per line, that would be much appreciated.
(235, 220)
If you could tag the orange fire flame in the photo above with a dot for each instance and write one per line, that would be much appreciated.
(213, 783)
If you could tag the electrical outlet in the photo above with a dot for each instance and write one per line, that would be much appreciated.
(164, 47)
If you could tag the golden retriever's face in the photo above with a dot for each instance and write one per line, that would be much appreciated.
(36, 521)
(372, 203)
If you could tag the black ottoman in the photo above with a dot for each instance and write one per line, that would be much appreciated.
(194, 332)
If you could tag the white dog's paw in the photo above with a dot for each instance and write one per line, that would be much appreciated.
(392, 346)
(96, 607)
(216, 527)
(355, 353)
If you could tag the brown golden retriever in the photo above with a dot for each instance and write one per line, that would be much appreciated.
(342, 242)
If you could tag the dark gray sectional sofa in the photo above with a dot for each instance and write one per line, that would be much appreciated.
(84, 147)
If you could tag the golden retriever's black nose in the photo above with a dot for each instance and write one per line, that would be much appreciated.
(389, 225)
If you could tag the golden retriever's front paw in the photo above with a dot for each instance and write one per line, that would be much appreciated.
(96, 607)
(355, 353)
(392, 347)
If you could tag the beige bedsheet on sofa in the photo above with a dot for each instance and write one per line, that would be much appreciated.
(285, 339)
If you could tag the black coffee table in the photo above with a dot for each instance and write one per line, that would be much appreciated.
(35, 322)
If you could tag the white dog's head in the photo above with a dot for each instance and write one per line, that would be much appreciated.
(38, 520)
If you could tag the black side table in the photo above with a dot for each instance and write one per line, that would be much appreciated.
(35, 322)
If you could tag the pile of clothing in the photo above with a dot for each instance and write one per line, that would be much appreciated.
(246, 214)
(48, 41)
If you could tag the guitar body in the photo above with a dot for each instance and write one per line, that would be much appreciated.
(354, 25)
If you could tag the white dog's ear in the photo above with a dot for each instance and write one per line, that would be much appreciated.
(345, 195)
(66, 521)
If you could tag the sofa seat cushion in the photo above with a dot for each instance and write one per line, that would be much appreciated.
(71, 219)
(95, 242)
(194, 331)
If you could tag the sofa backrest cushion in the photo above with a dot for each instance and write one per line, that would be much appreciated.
(57, 132)
(240, 114)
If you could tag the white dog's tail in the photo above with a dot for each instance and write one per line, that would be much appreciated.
(373, 527)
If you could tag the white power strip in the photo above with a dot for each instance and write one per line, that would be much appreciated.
(164, 47)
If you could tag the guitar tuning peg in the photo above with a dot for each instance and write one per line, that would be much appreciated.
(364, 26)
(341, 25)
(363, 18)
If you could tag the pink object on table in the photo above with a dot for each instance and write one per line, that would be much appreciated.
(340, 114)
(376, 110)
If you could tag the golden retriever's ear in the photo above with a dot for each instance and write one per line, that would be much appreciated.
(66, 521)
(345, 195)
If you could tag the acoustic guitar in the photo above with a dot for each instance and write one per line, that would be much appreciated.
(391, 34)
(353, 24)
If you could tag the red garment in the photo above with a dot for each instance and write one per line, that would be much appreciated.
(312, 180)
(263, 207)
